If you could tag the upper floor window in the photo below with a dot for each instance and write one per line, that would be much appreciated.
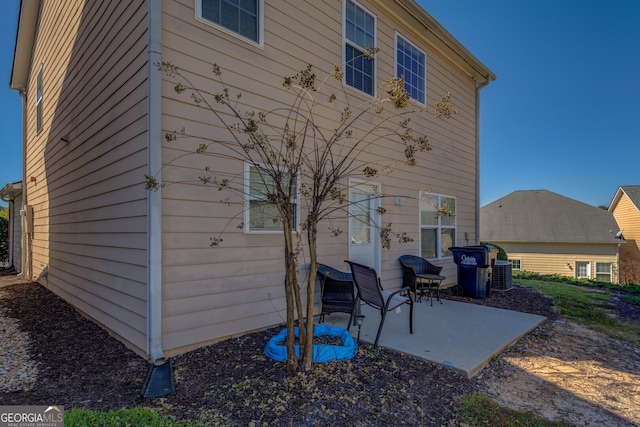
(410, 66)
(260, 214)
(240, 17)
(437, 225)
(39, 95)
(360, 34)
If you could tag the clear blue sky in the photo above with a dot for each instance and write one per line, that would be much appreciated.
(563, 114)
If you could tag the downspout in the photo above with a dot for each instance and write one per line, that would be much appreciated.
(478, 88)
(154, 198)
(26, 237)
(159, 380)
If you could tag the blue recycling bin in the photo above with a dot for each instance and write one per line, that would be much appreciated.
(473, 268)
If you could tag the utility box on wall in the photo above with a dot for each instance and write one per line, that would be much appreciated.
(27, 213)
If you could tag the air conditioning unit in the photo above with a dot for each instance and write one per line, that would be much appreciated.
(501, 276)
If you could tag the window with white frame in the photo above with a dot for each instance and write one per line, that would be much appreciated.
(516, 264)
(239, 17)
(583, 270)
(437, 225)
(410, 66)
(359, 34)
(603, 271)
(260, 214)
(39, 96)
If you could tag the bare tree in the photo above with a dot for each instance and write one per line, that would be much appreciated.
(296, 158)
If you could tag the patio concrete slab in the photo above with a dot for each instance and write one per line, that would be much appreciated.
(458, 335)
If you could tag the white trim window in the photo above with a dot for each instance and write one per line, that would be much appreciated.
(516, 263)
(243, 18)
(39, 96)
(583, 270)
(603, 271)
(359, 35)
(437, 225)
(261, 215)
(411, 67)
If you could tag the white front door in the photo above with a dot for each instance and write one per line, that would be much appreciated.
(364, 226)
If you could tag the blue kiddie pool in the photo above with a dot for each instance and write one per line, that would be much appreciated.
(322, 353)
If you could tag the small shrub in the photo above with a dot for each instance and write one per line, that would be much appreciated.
(557, 278)
(629, 272)
(4, 242)
(502, 255)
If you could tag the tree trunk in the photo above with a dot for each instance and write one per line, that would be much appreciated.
(291, 283)
(312, 233)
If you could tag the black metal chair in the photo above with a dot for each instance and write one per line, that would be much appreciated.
(337, 292)
(370, 292)
(418, 272)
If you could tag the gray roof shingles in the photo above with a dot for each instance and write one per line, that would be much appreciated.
(633, 193)
(545, 217)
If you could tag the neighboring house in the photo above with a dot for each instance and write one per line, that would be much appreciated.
(12, 193)
(138, 262)
(625, 208)
(547, 233)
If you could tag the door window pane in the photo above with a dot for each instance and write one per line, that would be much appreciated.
(360, 219)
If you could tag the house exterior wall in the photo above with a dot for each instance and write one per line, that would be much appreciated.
(627, 216)
(87, 193)
(212, 293)
(557, 258)
(85, 168)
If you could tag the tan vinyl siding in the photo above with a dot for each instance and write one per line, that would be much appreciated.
(557, 258)
(89, 243)
(212, 293)
(627, 216)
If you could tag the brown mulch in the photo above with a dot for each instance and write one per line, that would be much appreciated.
(232, 382)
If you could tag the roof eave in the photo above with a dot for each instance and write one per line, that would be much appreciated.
(25, 37)
(10, 191)
(442, 41)
(615, 200)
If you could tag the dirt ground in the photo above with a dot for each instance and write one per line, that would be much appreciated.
(567, 372)
(561, 370)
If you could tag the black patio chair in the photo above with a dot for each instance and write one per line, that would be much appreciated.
(418, 272)
(370, 292)
(337, 292)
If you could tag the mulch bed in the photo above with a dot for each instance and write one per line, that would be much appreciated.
(232, 382)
